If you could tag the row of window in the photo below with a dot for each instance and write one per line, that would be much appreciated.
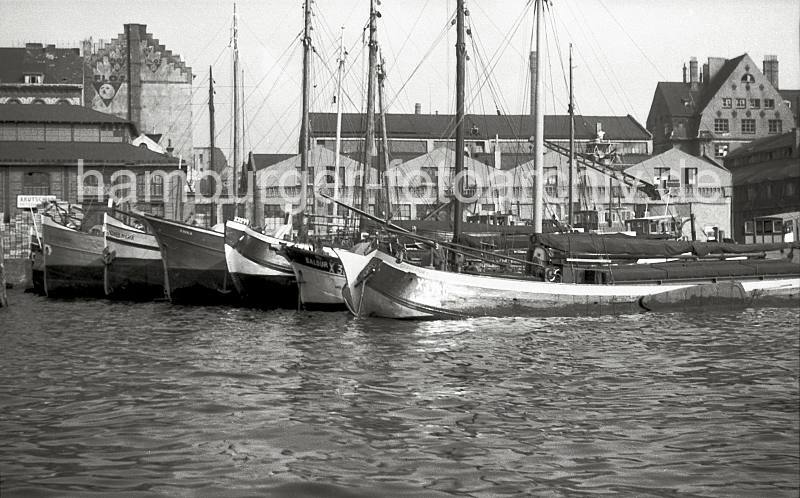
(727, 103)
(769, 191)
(39, 101)
(748, 126)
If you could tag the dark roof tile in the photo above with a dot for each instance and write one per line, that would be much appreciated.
(91, 152)
(481, 127)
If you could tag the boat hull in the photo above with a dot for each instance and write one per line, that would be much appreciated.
(133, 266)
(72, 261)
(261, 275)
(195, 271)
(320, 278)
(387, 288)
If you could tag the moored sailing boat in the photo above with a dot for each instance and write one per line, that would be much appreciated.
(194, 262)
(132, 258)
(383, 285)
(261, 274)
(72, 260)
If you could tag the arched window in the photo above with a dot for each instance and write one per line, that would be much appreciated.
(64, 102)
(13, 101)
(748, 78)
(38, 101)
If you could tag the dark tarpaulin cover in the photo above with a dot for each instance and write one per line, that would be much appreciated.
(621, 245)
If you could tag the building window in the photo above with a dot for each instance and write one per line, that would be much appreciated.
(156, 186)
(748, 78)
(402, 211)
(273, 211)
(690, 177)
(140, 186)
(727, 102)
(741, 103)
(755, 103)
(720, 150)
(721, 125)
(35, 183)
(34, 79)
(487, 207)
(769, 103)
(661, 173)
(748, 227)
(749, 126)
(775, 126)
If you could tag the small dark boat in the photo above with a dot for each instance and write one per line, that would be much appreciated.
(72, 260)
(194, 262)
(133, 267)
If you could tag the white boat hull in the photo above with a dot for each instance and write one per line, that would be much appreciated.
(319, 289)
(378, 285)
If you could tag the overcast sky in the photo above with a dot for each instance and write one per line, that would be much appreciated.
(622, 48)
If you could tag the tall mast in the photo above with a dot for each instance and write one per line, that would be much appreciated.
(338, 147)
(385, 137)
(538, 143)
(304, 125)
(211, 140)
(571, 110)
(235, 188)
(461, 53)
(369, 139)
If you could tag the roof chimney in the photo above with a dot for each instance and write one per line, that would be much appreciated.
(417, 108)
(533, 81)
(684, 74)
(771, 69)
(693, 75)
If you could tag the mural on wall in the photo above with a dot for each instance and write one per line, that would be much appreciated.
(107, 69)
(160, 64)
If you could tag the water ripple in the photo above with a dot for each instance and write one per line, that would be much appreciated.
(152, 399)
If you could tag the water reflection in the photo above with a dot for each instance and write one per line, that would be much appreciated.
(152, 398)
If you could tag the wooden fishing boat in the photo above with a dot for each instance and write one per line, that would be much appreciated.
(261, 274)
(380, 285)
(568, 277)
(72, 260)
(133, 266)
(319, 275)
(194, 262)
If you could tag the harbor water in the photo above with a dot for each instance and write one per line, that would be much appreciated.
(121, 399)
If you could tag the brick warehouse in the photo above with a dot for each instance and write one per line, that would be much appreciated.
(40, 149)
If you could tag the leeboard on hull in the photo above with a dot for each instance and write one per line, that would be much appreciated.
(72, 261)
(261, 275)
(379, 285)
(194, 263)
(320, 278)
(133, 266)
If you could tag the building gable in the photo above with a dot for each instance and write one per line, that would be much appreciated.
(742, 92)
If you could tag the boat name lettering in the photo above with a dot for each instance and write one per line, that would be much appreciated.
(120, 235)
(185, 232)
